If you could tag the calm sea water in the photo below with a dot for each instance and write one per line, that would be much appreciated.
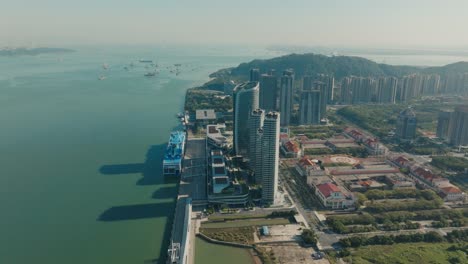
(80, 174)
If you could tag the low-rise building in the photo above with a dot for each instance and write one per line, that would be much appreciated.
(205, 116)
(334, 197)
(451, 193)
(291, 149)
(215, 137)
(307, 167)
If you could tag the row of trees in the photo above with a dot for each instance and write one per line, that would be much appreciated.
(421, 204)
(429, 237)
(339, 227)
(450, 163)
(400, 216)
(400, 194)
(358, 241)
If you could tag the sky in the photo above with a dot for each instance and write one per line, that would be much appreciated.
(343, 23)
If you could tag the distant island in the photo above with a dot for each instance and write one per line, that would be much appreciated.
(32, 51)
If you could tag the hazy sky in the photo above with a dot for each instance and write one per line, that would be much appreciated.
(365, 23)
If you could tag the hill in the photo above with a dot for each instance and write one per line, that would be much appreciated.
(339, 66)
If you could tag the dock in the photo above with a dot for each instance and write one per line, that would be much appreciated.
(192, 192)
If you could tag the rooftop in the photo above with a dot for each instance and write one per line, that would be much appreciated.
(328, 188)
(205, 114)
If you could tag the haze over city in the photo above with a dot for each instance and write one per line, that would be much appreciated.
(233, 132)
(362, 23)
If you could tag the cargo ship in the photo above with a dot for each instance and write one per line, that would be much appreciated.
(172, 162)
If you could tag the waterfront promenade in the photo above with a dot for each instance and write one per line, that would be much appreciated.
(192, 192)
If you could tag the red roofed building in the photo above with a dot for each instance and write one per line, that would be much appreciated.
(307, 167)
(291, 149)
(333, 196)
(452, 193)
(402, 162)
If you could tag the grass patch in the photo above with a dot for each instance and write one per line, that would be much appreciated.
(243, 235)
(216, 218)
(408, 253)
(246, 222)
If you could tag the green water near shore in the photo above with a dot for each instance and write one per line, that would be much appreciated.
(208, 253)
(80, 159)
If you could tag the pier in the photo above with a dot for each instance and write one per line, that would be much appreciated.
(192, 193)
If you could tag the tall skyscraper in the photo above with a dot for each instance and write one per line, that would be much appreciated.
(346, 96)
(286, 97)
(459, 126)
(255, 146)
(322, 88)
(387, 88)
(270, 156)
(310, 107)
(307, 83)
(329, 82)
(406, 125)
(268, 92)
(443, 125)
(245, 100)
(254, 75)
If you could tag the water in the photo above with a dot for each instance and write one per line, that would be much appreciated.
(80, 174)
(208, 253)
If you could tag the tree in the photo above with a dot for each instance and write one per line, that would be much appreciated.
(309, 236)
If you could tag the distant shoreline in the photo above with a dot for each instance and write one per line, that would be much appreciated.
(12, 52)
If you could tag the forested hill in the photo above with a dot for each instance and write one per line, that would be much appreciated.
(339, 66)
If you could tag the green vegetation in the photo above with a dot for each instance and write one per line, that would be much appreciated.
(404, 206)
(267, 257)
(316, 132)
(339, 66)
(400, 194)
(378, 120)
(450, 163)
(196, 99)
(247, 222)
(309, 237)
(242, 235)
(358, 241)
(409, 253)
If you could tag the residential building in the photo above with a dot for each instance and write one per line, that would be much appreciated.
(255, 145)
(286, 97)
(443, 125)
(268, 92)
(310, 107)
(254, 75)
(269, 156)
(245, 100)
(406, 125)
(459, 126)
(329, 82)
(387, 88)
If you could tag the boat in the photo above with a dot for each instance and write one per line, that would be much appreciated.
(105, 66)
(174, 154)
(145, 61)
(102, 77)
(150, 74)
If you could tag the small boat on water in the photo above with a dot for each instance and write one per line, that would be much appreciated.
(150, 74)
(105, 66)
(145, 61)
(102, 77)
